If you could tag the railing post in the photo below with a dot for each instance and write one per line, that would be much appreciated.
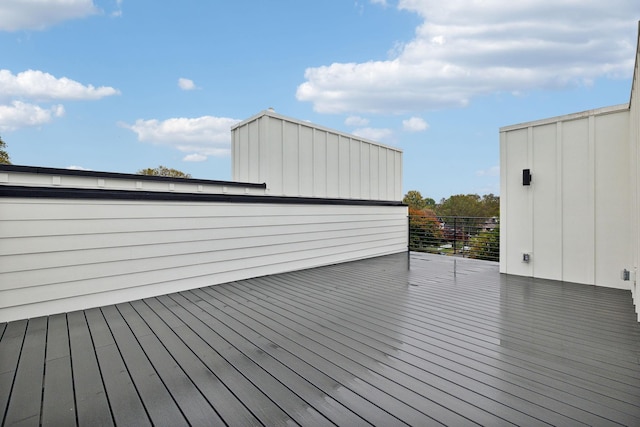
(455, 233)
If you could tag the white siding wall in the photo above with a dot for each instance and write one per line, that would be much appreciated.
(58, 255)
(634, 164)
(303, 159)
(575, 217)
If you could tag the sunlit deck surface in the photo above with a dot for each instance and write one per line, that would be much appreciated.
(360, 343)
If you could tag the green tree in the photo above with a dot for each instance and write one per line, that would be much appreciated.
(414, 200)
(486, 245)
(491, 205)
(163, 171)
(468, 205)
(4, 156)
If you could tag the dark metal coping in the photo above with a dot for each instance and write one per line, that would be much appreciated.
(117, 175)
(107, 194)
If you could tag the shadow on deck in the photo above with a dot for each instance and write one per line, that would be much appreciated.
(360, 343)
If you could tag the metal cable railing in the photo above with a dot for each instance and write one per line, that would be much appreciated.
(469, 237)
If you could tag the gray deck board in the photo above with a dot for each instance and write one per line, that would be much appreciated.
(371, 342)
(58, 401)
(24, 410)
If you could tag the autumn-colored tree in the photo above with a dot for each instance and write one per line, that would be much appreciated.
(4, 156)
(424, 229)
(163, 171)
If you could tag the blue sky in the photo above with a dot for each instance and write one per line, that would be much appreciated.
(122, 85)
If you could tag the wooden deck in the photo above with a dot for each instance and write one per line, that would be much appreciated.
(363, 343)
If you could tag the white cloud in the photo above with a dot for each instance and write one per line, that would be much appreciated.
(466, 48)
(356, 121)
(39, 14)
(380, 2)
(414, 124)
(374, 134)
(77, 168)
(194, 158)
(39, 85)
(20, 114)
(186, 84)
(200, 137)
(492, 171)
(118, 11)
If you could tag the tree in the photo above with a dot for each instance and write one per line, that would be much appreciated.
(470, 205)
(163, 171)
(4, 156)
(414, 200)
(486, 245)
(491, 205)
(424, 229)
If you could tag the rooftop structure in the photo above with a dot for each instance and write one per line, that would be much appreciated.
(570, 196)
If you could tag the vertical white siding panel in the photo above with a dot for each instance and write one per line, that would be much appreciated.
(344, 166)
(333, 171)
(547, 238)
(275, 181)
(612, 204)
(391, 175)
(319, 163)
(306, 163)
(365, 171)
(253, 143)
(398, 195)
(291, 160)
(382, 171)
(355, 161)
(375, 172)
(505, 189)
(518, 231)
(577, 208)
(245, 154)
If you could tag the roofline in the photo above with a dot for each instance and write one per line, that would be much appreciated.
(117, 175)
(566, 117)
(271, 113)
(74, 193)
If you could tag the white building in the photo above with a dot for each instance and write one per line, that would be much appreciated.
(298, 158)
(73, 239)
(577, 220)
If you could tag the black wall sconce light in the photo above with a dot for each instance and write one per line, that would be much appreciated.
(526, 177)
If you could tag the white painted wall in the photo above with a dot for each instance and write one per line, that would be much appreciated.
(58, 255)
(574, 219)
(297, 158)
(71, 240)
(634, 162)
(580, 218)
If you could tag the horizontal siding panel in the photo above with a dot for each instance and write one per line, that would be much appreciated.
(14, 209)
(108, 239)
(161, 265)
(141, 251)
(60, 253)
(172, 271)
(122, 225)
